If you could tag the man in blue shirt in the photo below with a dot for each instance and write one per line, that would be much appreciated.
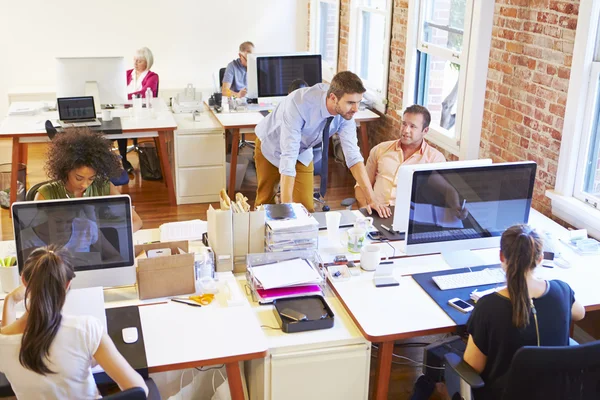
(235, 82)
(306, 118)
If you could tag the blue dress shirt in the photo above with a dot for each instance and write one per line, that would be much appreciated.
(235, 74)
(289, 133)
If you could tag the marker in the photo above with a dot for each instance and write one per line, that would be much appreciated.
(386, 228)
(464, 203)
(185, 302)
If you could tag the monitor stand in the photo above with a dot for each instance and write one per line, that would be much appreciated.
(462, 259)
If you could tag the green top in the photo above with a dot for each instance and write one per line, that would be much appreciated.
(56, 190)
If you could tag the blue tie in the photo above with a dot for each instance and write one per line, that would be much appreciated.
(324, 157)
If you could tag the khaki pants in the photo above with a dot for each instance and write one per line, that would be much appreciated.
(268, 177)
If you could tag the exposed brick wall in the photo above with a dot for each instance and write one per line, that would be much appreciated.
(344, 35)
(528, 78)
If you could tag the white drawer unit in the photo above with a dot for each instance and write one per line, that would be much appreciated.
(199, 158)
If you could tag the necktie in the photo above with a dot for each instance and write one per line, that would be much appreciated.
(324, 157)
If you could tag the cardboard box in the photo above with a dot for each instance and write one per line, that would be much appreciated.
(165, 276)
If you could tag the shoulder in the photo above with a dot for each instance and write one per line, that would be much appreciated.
(102, 187)
(151, 75)
(82, 323)
(434, 154)
(51, 190)
(129, 72)
(384, 146)
(559, 287)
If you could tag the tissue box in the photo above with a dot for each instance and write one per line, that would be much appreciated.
(165, 276)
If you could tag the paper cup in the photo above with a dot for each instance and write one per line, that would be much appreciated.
(106, 115)
(333, 219)
(9, 278)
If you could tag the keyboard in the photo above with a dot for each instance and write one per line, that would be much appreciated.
(452, 234)
(487, 276)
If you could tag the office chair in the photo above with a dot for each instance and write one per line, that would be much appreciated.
(536, 373)
(5, 388)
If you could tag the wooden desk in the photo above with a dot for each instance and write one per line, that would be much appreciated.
(30, 129)
(384, 315)
(234, 121)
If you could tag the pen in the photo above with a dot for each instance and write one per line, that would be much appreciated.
(386, 262)
(185, 302)
(464, 203)
(386, 228)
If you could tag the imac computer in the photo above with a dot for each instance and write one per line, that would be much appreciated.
(455, 210)
(100, 77)
(269, 76)
(97, 231)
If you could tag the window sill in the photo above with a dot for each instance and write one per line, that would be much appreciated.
(575, 212)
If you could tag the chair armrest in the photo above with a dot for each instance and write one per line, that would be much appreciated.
(463, 370)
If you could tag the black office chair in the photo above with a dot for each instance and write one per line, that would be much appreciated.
(137, 393)
(536, 373)
(5, 388)
(221, 75)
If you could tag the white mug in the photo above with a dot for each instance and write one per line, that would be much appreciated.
(356, 239)
(370, 257)
(9, 278)
(106, 115)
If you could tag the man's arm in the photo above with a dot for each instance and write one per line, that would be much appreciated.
(359, 172)
(371, 167)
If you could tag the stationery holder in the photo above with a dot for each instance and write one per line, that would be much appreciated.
(318, 313)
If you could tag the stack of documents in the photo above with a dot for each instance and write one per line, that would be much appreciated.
(182, 230)
(281, 279)
(25, 108)
(290, 227)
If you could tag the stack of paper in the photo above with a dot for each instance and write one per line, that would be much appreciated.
(298, 231)
(25, 108)
(183, 230)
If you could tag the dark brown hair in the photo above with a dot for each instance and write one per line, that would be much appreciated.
(345, 82)
(417, 109)
(80, 147)
(47, 272)
(521, 247)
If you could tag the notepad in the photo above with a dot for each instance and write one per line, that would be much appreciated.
(288, 273)
(182, 230)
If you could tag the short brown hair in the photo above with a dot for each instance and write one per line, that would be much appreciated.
(417, 109)
(345, 82)
(246, 46)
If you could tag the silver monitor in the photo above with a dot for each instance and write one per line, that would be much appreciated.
(96, 230)
(100, 77)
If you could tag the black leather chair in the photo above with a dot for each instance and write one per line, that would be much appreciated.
(137, 393)
(537, 373)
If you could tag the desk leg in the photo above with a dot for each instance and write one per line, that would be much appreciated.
(235, 144)
(384, 369)
(364, 141)
(165, 164)
(23, 153)
(234, 377)
(14, 172)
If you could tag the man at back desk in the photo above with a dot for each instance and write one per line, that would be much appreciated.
(386, 158)
(235, 82)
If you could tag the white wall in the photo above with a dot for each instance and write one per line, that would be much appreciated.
(190, 39)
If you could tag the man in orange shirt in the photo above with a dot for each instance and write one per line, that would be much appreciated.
(386, 158)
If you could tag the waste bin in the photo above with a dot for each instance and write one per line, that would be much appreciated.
(149, 161)
(240, 171)
(5, 172)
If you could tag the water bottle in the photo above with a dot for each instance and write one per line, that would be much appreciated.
(204, 264)
(148, 98)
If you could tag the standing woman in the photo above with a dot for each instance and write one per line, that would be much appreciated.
(139, 79)
(48, 355)
(530, 311)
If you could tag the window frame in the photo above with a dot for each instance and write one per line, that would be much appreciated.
(327, 69)
(567, 199)
(473, 60)
(376, 96)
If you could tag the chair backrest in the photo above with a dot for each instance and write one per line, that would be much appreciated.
(30, 196)
(566, 372)
(135, 393)
(221, 75)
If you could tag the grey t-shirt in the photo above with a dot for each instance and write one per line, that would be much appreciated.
(235, 74)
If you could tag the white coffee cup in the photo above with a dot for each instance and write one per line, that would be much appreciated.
(356, 239)
(370, 257)
(9, 278)
(106, 115)
(333, 219)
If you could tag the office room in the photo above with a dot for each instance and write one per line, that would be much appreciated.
(476, 120)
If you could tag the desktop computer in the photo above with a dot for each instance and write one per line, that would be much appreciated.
(462, 208)
(100, 77)
(270, 75)
(96, 230)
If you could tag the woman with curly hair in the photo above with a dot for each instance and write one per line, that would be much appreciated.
(80, 163)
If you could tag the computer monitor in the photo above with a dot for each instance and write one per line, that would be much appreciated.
(101, 77)
(269, 76)
(96, 230)
(455, 210)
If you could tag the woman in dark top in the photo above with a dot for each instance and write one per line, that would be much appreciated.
(528, 312)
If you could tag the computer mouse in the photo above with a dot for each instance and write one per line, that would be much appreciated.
(562, 263)
(130, 335)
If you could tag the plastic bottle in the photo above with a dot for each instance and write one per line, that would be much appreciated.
(148, 98)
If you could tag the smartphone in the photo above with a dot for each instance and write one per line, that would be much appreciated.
(460, 305)
(384, 281)
(293, 314)
(375, 235)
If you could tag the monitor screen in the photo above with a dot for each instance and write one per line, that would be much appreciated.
(70, 108)
(97, 230)
(469, 203)
(276, 73)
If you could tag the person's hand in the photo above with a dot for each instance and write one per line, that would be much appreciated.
(242, 93)
(461, 212)
(17, 295)
(382, 210)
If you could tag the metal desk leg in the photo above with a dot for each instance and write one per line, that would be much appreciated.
(235, 142)
(234, 377)
(165, 164)
(384, 369)
(14, 172)
(364, 140)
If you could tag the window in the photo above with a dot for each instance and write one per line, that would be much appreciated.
(370, 30)
(576, 196)
(324, 34)
(444, 43)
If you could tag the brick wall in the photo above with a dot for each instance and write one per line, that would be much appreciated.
(528, 77)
